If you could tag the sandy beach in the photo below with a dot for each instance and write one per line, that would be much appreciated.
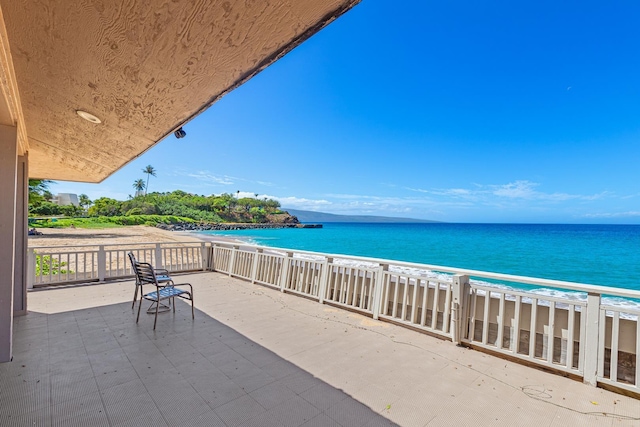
(70, 237)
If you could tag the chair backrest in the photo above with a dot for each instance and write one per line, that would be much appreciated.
(145, 274)
(132, 258)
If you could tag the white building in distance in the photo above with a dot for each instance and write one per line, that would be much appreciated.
(64, 199)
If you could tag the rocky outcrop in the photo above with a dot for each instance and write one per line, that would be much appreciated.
(283, 218)
(184, 226)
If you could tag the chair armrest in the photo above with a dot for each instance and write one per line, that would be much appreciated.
(161, 271)
(185, 284)
(164, 281)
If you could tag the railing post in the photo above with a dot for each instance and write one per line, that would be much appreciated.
(284, 274)
(232, 259)
(377, 289)
(102, 263)
(204, 254)
(212, 257)
(254, 266)
(458, 306)
(158, 256)
(324, 279)
(31, 268)
(590, 352)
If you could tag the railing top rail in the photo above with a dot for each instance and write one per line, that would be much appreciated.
(111, 245)
(560, 284)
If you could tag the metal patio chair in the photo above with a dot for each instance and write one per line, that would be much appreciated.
(161, 274)
(147, 276)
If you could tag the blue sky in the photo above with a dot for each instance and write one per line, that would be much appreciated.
(452, 111)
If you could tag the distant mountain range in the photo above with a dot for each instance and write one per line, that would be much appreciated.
(319, 217)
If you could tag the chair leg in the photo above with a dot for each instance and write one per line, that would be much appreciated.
(139, 307)
(157, 306)
(193, 316)
(135, 297)
(173, 303)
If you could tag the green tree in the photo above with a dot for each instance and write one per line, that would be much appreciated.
(139, 185)
(37, 190)
(105, 206)
(150, 171)
(45, 208)
(70, 210)
(84, 201)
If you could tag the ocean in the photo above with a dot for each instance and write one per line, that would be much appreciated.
(607, 255)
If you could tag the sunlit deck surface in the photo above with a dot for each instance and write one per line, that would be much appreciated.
(258, 357)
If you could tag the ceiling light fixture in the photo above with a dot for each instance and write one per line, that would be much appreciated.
(88, 116)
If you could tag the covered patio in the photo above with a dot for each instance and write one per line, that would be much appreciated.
(256, 356)
(86, 87)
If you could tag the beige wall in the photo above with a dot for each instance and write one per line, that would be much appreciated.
(8, 169)
(20, 265)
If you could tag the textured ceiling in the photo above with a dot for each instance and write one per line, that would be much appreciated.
(143, 67)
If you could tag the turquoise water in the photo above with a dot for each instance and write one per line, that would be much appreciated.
(607, 255)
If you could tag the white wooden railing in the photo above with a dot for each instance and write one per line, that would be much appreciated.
(49, 265)
(574, 331)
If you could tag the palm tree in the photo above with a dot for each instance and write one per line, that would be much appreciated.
(150, 171)
(84, 201)
(37, 190)
(139, 185)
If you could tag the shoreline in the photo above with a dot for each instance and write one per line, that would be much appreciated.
(132, 234)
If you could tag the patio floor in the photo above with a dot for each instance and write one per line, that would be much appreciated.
(258, 357)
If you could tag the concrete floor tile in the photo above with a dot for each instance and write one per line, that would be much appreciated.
(294, 412)
(409, 415)
(280, 369)
(114, 376)
(152, 418)
(183, 408)
(121, 412)
(463, 417)
(219, 393)
(350, 412)
(239, 411)
(322, 420)
(83, 410)
(300, 381)
(253, 380)
(272, 394)
(380, 421)
(323, 396)
(124, 391)
(40, 418)
(565, 417)
(62, 391)
(208, 419)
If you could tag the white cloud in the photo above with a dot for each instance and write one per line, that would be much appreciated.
(517, 189)
(209, 178)
(497, 193)
(301, 203)
(627, 214)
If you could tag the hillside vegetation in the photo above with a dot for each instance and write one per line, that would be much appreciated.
(159, 208)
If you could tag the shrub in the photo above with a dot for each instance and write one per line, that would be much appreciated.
(45, 265)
